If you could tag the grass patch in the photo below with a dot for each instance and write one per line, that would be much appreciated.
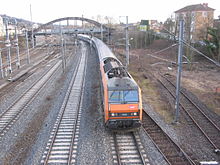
(214, 104)
(151, 95)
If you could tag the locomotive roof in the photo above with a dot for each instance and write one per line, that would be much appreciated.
(122, 80)
(124, 83)
(117, 76)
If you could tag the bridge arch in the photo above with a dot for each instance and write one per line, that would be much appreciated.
(71, 18)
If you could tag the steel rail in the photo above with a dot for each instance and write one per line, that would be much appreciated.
(66, 98)
(176, 148)
(23, 107)
(216, 149)
(138, 156)
(138, 148)
(117, 149)
(190, 100)
(14, 60)
(72, 141)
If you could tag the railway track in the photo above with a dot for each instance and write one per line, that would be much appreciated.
(127, 149)
(13, 112)
(172, 153)
(205, 124)
(22, 57)
(62, 145)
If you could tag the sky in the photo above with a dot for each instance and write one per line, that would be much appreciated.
(44, 11)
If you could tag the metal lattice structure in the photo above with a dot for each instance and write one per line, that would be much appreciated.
(71, 18)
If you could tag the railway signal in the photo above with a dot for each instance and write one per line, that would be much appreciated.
(16, 44)
(27, 46)
(63, 49)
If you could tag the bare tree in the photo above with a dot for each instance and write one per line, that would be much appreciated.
(170, 25)
(99, 18)
(190, 34)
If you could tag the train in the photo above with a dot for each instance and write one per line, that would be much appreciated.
(121, 95)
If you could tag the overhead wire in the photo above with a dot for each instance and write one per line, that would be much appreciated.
(162, 50)
(194, 49)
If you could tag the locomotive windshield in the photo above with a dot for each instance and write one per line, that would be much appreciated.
(123, 96)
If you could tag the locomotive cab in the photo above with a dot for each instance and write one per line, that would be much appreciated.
(123, 109)
(123, 104)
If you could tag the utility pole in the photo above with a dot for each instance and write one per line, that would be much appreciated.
(127, 43)
(8, 45)
(83, 26)
(109, 23)
(32, 31)
(76, 40)
(90, 41)
(101, 32)
(48, 46)
(1, 65)
(62, 50)
(68, 26)
(27, 46)
(109, 36)
(180, 54)
(16, 44)
(64, 42)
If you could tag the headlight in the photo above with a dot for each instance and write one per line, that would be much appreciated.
(134, 114)
(114, 114)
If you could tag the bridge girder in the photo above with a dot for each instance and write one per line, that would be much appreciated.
(71, 18)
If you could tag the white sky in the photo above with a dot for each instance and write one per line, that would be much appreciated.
(47, 10)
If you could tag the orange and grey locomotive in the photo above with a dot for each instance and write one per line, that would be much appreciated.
(121, 94)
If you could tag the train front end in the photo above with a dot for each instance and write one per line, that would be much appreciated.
(124, 104)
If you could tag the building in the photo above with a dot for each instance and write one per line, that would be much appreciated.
(1, 27)
(155, 25)
(12, 23)
(197, 18)
(146, 25)
(11, 27)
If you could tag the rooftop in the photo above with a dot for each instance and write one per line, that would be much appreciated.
(197, 7)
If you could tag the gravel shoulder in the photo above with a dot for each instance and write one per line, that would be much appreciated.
(94, 140)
